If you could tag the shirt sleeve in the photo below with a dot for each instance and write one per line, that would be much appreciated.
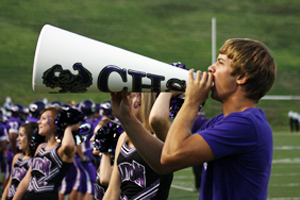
(230, 135)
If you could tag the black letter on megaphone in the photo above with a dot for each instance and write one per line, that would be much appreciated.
(137, 85)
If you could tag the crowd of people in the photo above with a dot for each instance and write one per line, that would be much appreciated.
(93, 163)
(59, 165)
(128, 148)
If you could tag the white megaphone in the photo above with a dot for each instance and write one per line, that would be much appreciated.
(66, 62)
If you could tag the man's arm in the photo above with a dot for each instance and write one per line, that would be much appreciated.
(182, 149)
(148, 146)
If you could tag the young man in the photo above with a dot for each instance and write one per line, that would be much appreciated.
(236, 147)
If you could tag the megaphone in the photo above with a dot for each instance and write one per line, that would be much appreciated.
(66, 62)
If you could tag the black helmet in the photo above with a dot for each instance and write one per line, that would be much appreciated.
(35, 109)
(106, 109)
(87, 107)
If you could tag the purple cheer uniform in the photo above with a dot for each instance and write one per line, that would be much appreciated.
(19, 171)
(139, 181)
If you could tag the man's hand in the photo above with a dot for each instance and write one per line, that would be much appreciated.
(121, 104)
(198, 88)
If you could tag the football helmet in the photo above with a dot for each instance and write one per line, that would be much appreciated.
(82, 133)
(18, 111)
(87, 107)
(54, 104)
(35, 108)
(106, 109)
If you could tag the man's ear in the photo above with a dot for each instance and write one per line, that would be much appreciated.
(241, 79)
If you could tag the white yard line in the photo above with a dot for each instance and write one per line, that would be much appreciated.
(286, 147)
(286, 161)
(285, 198)
(182, 188)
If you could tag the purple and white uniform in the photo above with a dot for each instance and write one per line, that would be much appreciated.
(47, 172)
(13, 125)
(19, 171)
(68, 181)
(99, 189)
(86, 168)
(31, 119)
(139, 181)
(3, 133)
(242, 144)
(5, 158)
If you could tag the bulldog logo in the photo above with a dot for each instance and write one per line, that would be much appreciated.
(56, 76)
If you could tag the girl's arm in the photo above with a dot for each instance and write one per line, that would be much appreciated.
(105, 169)
(159, 115)
(68, 148)
(113, 191)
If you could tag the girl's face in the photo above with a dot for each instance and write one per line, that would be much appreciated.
(23, 139)
(46, 124)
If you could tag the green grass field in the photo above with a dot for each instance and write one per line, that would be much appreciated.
(166, 30)
(285, 176)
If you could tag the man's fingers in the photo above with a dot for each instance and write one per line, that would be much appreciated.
(204, 77)
(191, 74)
(198, 76)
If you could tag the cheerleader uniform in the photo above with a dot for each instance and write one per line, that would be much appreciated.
(138, 180)
(19, 171)
(99, 189)
(47, 173)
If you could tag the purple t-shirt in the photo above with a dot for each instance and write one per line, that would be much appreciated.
(242, 144)
(13, 125)
(31, 119)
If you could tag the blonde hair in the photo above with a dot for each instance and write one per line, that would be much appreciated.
(147, 102)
